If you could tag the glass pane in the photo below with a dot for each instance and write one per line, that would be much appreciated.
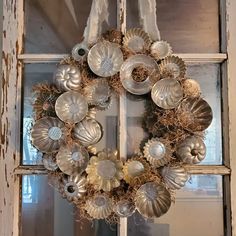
(189, 26)
(45, 213)
(198, 210)
(55, 26)
(209, 78)
(33, 75)
(39, 73)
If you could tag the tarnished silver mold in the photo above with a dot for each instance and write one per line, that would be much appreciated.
(137, 40)
(98, 92)
(156, 152)
(124, 208)
(127, 68)
(74, 187)
(67, 78)
(72, 160)
(105, 59)
(175, 177)
(161, 49)
(173, 65)
(99, 207)
(167, 93)
(48, 134)
(49, 162)
(88, 131)
(71, 107)
(152, 200)
(79, 51)
(200, 112)
(192, 150)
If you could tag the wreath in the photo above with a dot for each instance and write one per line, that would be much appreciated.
(100, 184)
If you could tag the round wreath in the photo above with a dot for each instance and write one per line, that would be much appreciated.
(65, 130)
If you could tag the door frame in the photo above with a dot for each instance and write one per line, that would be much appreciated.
(11, 90)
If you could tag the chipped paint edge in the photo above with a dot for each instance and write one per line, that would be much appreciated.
(13, 13)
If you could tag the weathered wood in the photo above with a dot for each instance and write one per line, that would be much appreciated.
(10, 117)
(187, 57)
(227, 206)
(121, 24)
(231, 49)
(30, 170)
(192, 169)
(207, 170)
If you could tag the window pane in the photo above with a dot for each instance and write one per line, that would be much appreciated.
(33, 75)
(209, 78)
(55, 26)
(41, 73)
(189, 26)
(198, 210)
(45, 213)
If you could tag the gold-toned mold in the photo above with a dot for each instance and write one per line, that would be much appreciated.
(152, 200)
(161, 49)
(73, 159)
(175, 177)
(99, 206)
(167, 93)
(135, 168)
(73, 187)
(105, 59)
(71, 107)
(124, 208)
(173, 65)
(48, 134)
(192, 150)
(157, 152)
(105, 171)
(195, 114)
(137, 40)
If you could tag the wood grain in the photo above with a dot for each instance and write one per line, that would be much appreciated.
(10, 117)
(231, 86)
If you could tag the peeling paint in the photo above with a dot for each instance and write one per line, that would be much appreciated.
(10, 110)
(6, 179)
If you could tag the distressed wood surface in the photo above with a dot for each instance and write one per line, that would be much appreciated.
(192, 169)
(231, 49)
(121, 25)
(30, 170)
(187, 57)
(207, 170)
(10, 117)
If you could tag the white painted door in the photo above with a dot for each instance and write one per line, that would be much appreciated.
(36, 35)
